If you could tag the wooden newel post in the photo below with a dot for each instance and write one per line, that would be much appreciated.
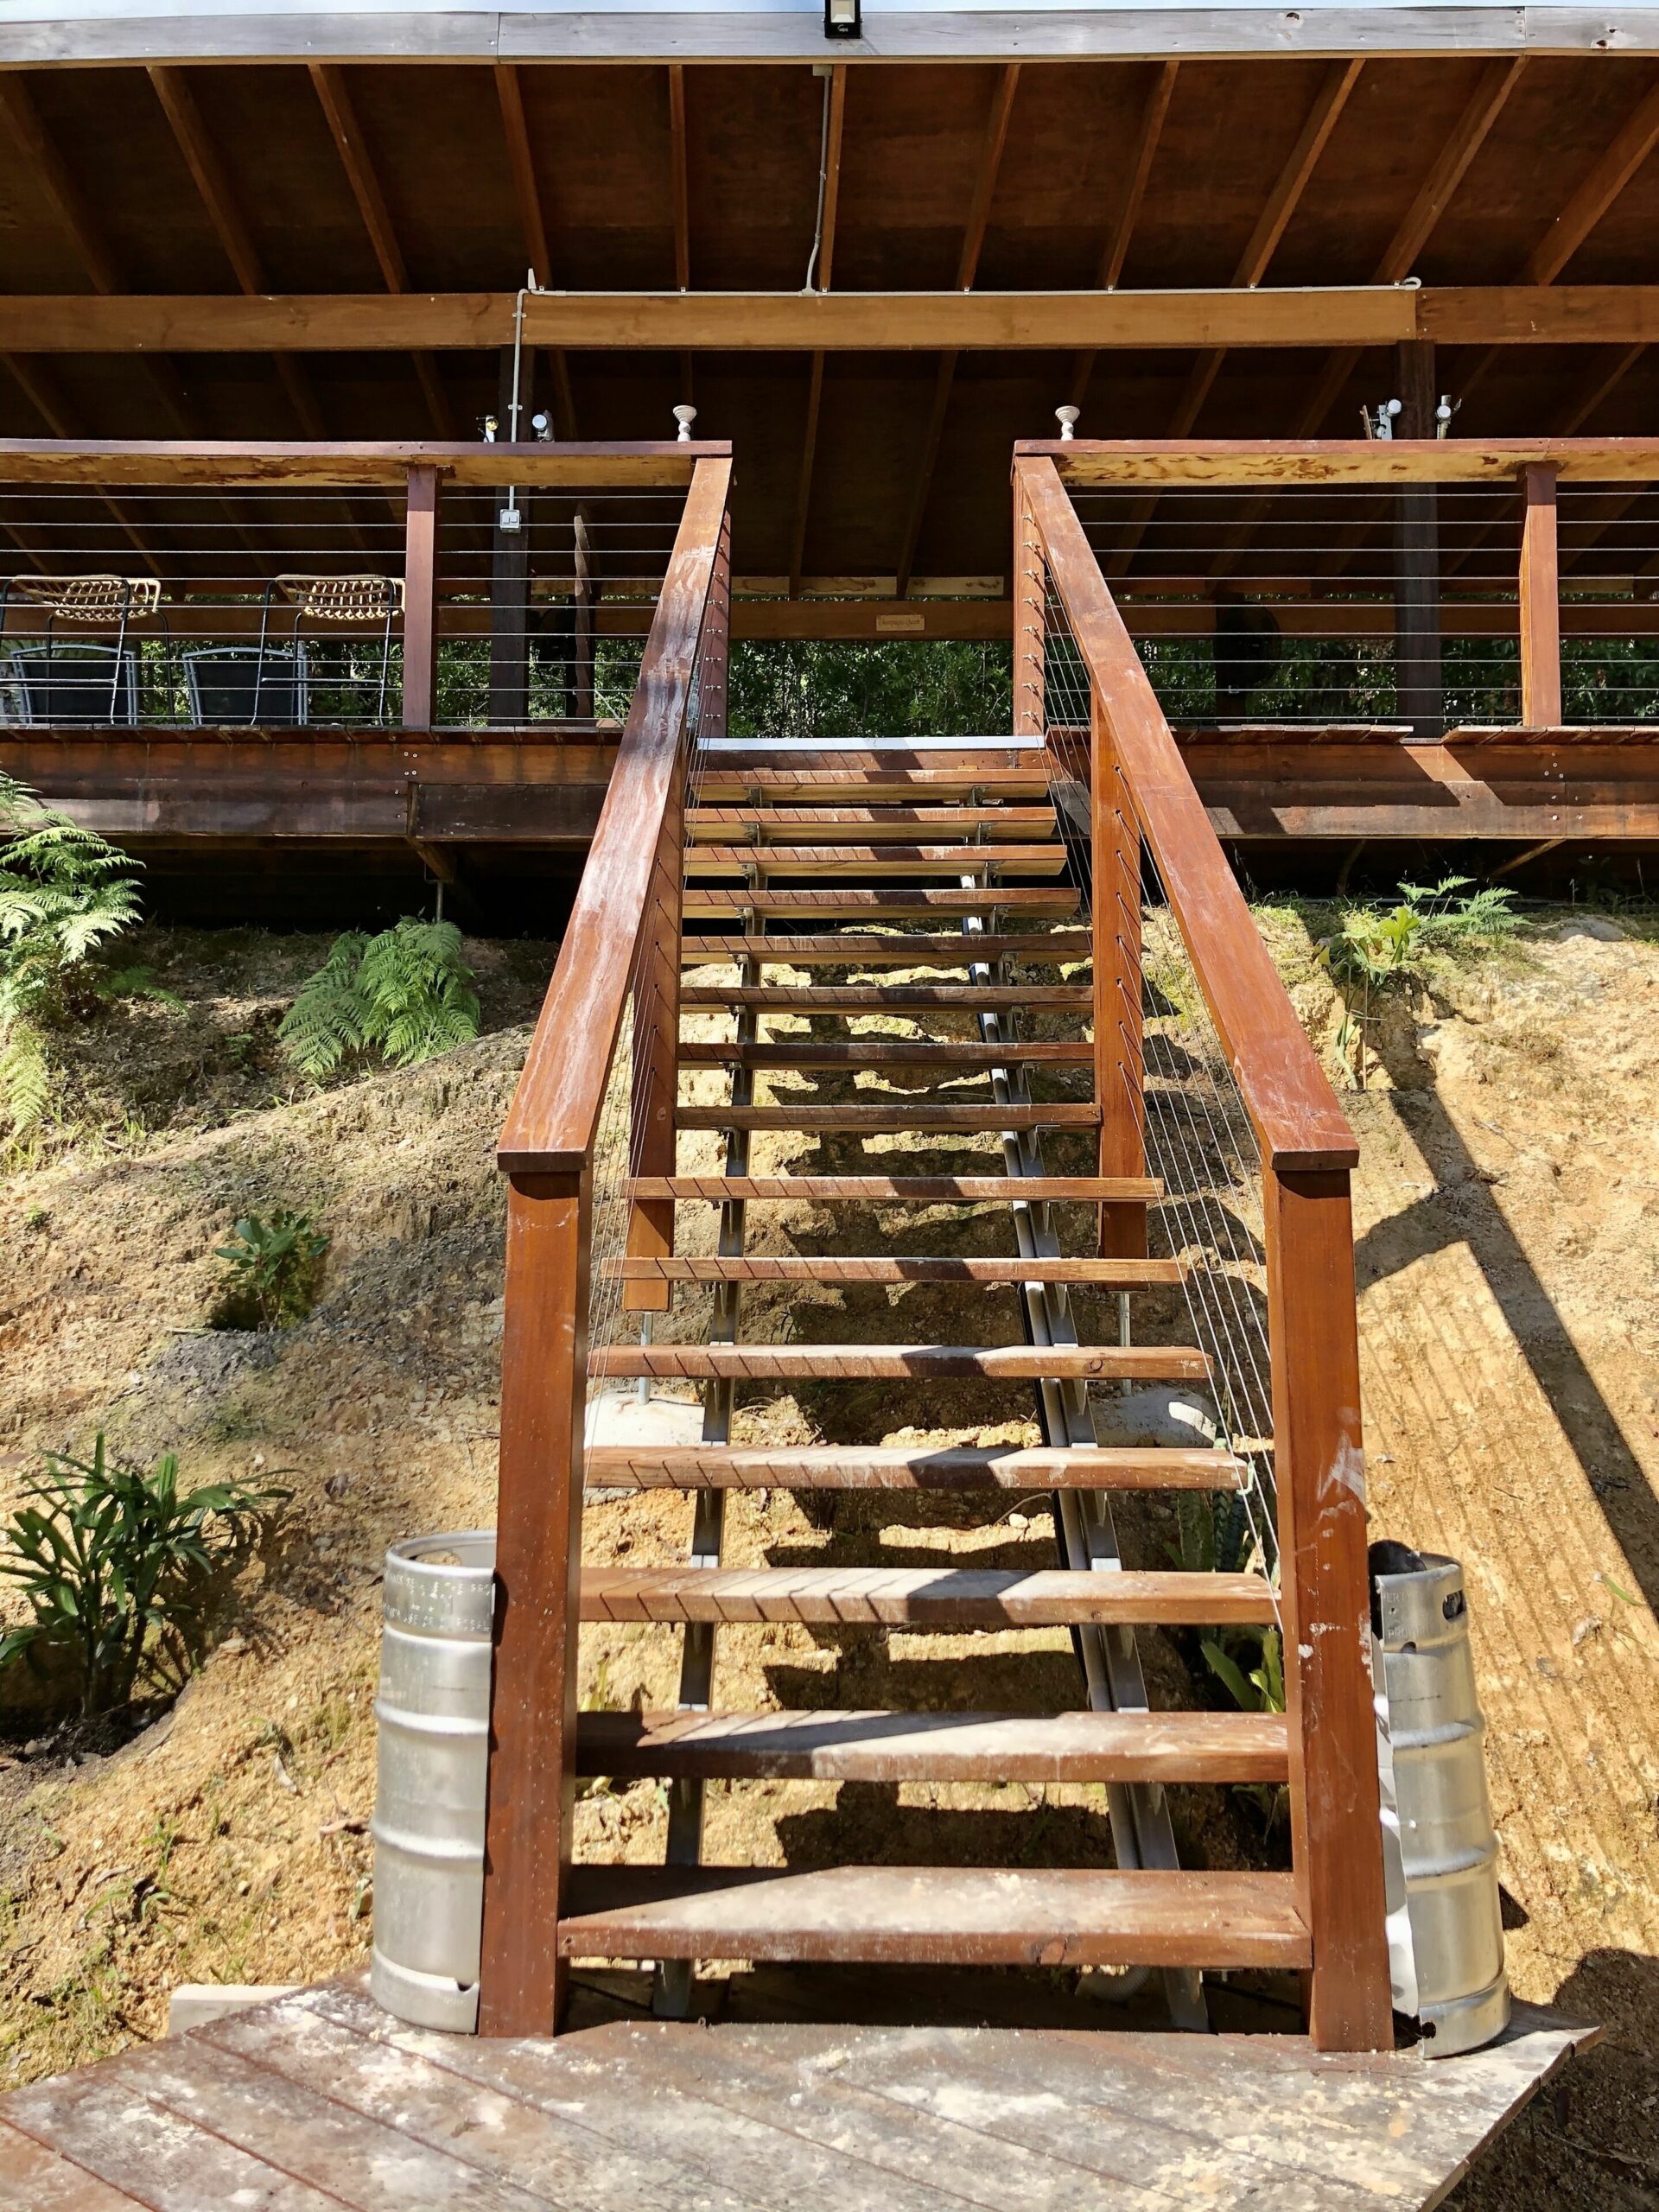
(421, 597)
(1120, 1074)
(1540, 601)
(1324, 1597)
(532, 1756)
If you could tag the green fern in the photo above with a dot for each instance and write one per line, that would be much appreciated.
(406, 994)
(64, 891)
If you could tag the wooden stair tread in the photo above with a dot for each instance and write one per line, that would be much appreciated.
(883, 1052)
(854, 899)
(874, 860)
(903, 773)
(802, 1266)
(893, 951)
(1035, 898)
(884, 1747)
(944, 1597)
(902, 1190)
(716, 822)
(960, 1467)
(827, 1120)
(967, 1915)
(1008, 1363)
(900, 998)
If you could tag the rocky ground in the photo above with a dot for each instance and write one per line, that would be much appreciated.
(1507, 1213)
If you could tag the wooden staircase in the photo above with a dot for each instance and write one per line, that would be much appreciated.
(807, 895)
(850, 824)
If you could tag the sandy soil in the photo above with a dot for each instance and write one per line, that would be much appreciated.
(1508, 1245)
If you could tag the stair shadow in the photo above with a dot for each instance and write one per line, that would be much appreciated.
(1006, 1681)
(869, 1826)
(1462, 1209)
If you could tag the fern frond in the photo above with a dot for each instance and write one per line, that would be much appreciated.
(25, 1078)
(326, 1020)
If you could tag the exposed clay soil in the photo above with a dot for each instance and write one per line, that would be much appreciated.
(1508, 1237)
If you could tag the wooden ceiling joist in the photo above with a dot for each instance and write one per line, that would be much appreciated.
(1335, 86)
(979, 214)
(335, 98)
(213, 183)
(1116, 248)
(829, 202)
(533, 223)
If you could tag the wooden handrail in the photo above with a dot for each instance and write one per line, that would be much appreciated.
(1236, 463)
(1299, 1124)
(236, 466)
(552, 1120)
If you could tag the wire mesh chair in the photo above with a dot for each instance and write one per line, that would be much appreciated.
(272, 682)
(81, 683)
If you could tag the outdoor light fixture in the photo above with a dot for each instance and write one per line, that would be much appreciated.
(843, 19)
(686, 417)
(1067, 419)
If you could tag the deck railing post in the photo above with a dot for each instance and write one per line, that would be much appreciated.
(652, 1143)
(1541, 603)
(533, 1751)
(1324, 1597)
(1114, 897)
(421, 597)
(1030, 614)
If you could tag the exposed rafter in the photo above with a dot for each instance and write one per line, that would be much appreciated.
(1619, 162)
(1435, 194)
(218, 195)
(835, 121)
(340, 114)
(1335, 87)
(533, 223)
(680, 200)
(1116, 249)
(978, 215)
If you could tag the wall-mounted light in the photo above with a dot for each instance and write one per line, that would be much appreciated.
(843, 19)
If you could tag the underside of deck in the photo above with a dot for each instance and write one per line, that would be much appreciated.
(798, 2092)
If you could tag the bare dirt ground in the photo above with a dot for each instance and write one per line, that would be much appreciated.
(1508, 1212)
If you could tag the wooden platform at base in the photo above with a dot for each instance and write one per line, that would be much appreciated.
(802, 2095)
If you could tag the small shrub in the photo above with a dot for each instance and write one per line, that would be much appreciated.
(1371, 950)
(271, 1271)
(63, 891)
(117, 1569)
(405, 994)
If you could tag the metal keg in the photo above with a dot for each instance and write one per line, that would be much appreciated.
(1446, 1931)
(434, 1717)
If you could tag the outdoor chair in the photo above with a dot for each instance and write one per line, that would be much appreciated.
(77, 680)
(274, 681)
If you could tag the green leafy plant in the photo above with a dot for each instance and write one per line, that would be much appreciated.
(1371, 950)
(1254, 1687)
(117, 1567)
(406, 994)
(63, 892)
(272, 1266)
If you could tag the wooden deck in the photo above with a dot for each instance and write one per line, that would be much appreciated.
(320, 2101)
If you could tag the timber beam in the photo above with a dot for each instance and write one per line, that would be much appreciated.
(1270, 785)
(814, 322)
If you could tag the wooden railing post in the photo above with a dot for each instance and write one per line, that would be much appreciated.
(656, 1052)
(1120, 1071)
(532, 1754)
(1030, 614)
(1540, 601)
(1324, 1597)
(421, 597)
